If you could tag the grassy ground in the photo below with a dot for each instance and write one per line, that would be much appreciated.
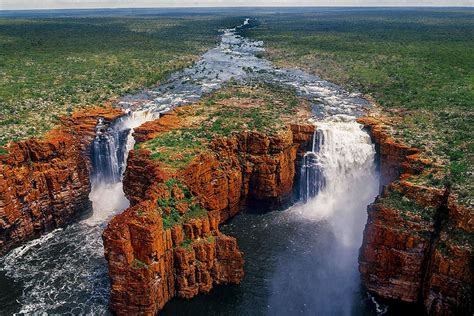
(262, 108)
(417, 64)
(51, 66)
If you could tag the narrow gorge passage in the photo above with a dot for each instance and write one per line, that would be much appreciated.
(65, 270)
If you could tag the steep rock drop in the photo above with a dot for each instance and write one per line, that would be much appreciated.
(418, 245)
(44, 183)
(304, 260)
(339, 179)
(154, 254)
(76, 280)
(320, 236)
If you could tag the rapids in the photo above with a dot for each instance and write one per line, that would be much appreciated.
(300, 260)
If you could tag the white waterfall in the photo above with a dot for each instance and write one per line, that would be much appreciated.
(339, 177)
(109, 154)
(338, 181)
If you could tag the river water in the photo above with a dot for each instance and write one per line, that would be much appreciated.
(299, 261)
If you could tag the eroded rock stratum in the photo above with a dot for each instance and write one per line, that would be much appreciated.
(44, 183)
(168, 242)
(418, 241)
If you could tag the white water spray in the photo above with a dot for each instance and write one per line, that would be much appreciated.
(109, 153)
(339, 177)
(338, 181)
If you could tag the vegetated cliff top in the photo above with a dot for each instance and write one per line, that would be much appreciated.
(417, 64)
(262, 108)
(52, 66)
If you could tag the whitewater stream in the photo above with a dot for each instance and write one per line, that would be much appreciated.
(299, 261)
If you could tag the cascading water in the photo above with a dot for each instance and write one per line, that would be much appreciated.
(293, 257)
(340, 172)
(339, 180)
(311, 180)
(109, 154)
(303, 261)
(76, 280)
(106, 153)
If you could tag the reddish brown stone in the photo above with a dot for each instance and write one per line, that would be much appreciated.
(44, 183)
(191, 257)
(411, 258)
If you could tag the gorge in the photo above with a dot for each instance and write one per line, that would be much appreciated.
(161, 224)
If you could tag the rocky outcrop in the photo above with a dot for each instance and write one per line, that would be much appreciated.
(418, 241)
(168, 243)
(44, 183)
(246, 168)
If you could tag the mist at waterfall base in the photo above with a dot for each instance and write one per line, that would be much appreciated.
(299, 261)
(303, 261)
(109, 153)
(64, 271)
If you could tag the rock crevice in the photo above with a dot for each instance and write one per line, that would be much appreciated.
(418, 239)
(168, 243)
(44, 183)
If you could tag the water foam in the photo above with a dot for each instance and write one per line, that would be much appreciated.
(65, 271)
(344, 156)
(339, 180)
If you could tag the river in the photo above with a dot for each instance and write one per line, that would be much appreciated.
(299, 261)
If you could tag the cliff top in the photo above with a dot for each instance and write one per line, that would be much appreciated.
(56, 66)
(177, 137)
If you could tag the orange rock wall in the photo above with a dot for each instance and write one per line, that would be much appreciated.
(44, 183)
(413, 258)
(192, 257)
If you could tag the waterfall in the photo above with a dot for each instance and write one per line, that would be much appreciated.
(341, 160)
(338, 181)
(312, 180)
(109, 155)
(106, 153)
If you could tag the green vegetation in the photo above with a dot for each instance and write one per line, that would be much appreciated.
(396, 200)
(140, 212)
(461, 237)
(263, 108)
(137, 264)
(195, 211)
(172, 219)
(168, 207)
(184, 143)
(186, 244)
(50, 67)
(443, 249)
(418, 64)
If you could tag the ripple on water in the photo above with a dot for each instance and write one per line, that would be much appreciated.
(61, 272)
(65, 270)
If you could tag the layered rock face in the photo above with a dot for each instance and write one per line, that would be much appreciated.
(249, 167)
(44, 183)
(418, 241)
(168, 243)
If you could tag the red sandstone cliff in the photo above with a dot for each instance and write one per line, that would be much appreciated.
(418, 241)
(160, 248)
(44, 183)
